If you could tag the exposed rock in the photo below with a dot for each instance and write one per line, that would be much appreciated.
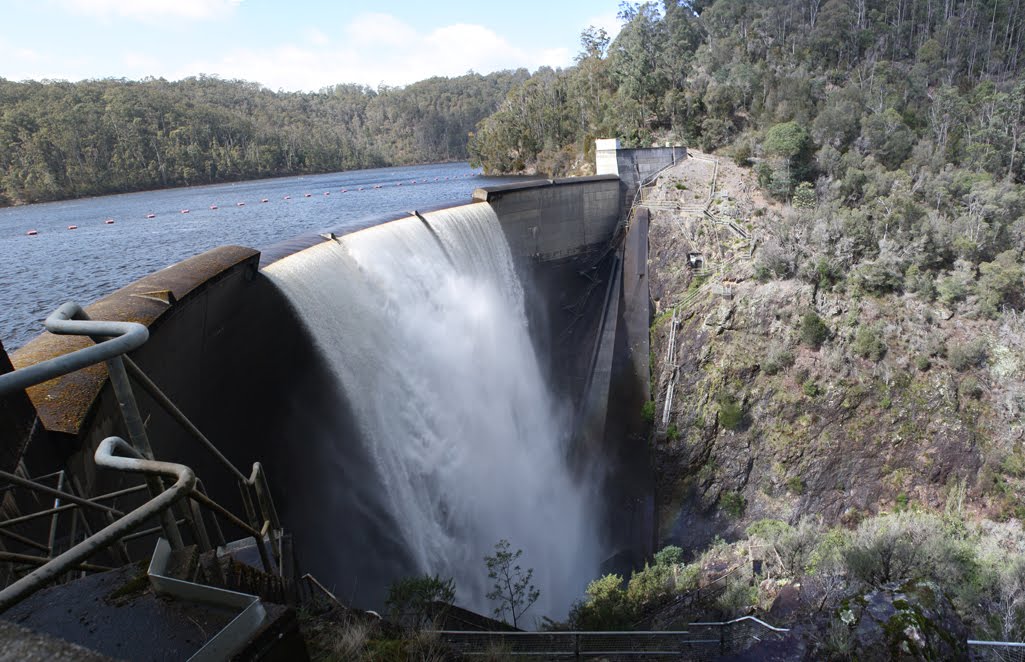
(913, 622)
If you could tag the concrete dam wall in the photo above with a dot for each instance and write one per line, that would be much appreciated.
(230, 346)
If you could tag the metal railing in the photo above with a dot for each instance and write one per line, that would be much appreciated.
(698, 641)
(996, 651)
(112, 340)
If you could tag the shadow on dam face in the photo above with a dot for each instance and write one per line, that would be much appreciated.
(414, 390)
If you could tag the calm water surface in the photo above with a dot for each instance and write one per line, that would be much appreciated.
(38, 273)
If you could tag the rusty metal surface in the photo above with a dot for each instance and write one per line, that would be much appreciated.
(63, 404)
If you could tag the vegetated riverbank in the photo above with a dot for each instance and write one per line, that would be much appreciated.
(862, 444)
(61, 140)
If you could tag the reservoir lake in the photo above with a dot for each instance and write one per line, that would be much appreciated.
(150, 230)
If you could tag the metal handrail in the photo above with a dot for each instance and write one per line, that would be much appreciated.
(113, 340)
(71, 319)
(752, 619)
(123, 337)
(105, 456)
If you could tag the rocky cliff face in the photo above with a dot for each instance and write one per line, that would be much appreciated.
(788, 400)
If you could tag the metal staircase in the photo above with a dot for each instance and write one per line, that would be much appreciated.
(50, 529)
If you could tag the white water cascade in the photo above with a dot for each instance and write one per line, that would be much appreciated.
(427, 334)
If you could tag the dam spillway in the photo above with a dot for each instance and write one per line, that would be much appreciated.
(351, 368)
(425, 328)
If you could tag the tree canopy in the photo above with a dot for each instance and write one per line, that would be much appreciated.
(61, 140)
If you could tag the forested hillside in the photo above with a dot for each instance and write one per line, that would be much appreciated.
(62, 140)
(893, 129)
(935, 81)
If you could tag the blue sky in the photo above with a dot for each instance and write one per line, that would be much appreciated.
(290, 44)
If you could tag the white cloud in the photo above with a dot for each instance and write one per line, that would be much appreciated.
(317, 38)
(152, 10)
(374, 49)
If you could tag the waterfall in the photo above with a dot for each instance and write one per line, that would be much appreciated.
(425, 328)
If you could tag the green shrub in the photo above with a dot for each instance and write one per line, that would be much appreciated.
(804, 196)
(868, 343)
(814, 331)
(672, 432)
(731, 414)
(970, 388)
(907, 546)
(737, 599)
(651, 585)
(920, 282)
(956, 285)
(648, 412)
(1014, 464)
(968, 355)
(669, 555)
(810, 388)
(936, 345)
(923, 363)
(733, 504)
(767, 529)
(410, 600)
(605, 607)
(778, 359)
(795, 485)
(999, 283)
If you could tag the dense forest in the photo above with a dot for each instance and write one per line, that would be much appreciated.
(62, 140)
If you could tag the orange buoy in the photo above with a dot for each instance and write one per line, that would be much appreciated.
(32, 233)
(185, 211)
(109, 221)
(72, 227)
(151, 215)
(213, 206)
(288, 197)
(263, 200)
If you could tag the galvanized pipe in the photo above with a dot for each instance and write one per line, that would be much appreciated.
(140, 440)
(124, 337)
(146, 532)
(263, 495)
(122, 549)
(36, 515)
(228, 515)
(105, 457)
(71, 498)
(53, 522)
(11, 557)
(218, 533)
(24, 541)
(199, 528)
(118, 493)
